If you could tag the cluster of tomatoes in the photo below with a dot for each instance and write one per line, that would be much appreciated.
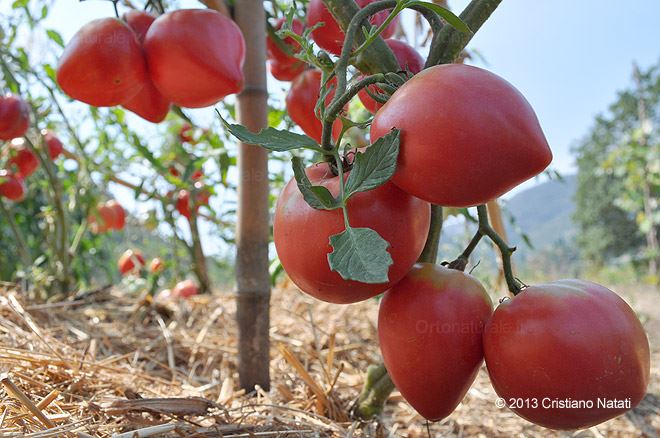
(20, 161)
(132, 262)
(466, 137)
(145, 64)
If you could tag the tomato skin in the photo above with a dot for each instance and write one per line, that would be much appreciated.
(275, 52)
(301, 100)
(430, 326)
(481, 139)
(330, 37)
(12, 187)
(22, 158)
(139, 22)
(286, 72)
(55, 146)
(156, 266)
(14, 117)
(185, 289)
(567, 339)
(302, 234)
(103, 64)
(409, 60)
(130, 262)
(118, 215)
(183, 200)
(185, 67)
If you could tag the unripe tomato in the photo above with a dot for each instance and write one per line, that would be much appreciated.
(103, 65)
(12, 187)
(139, 22)
(286, 71)
(430, 326)
(118, 215)
(148, 103)
(302, 234)
(55, 146)
(409, 60)
(156, 266)
(22, 158)
(567, 340)
(195, 56)
(330, 36)
(131, 261)
(467, 136)
(301, 101)
(14, 117)
(275, 52)
(185, 289)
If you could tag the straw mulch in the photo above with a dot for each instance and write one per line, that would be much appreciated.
(103, 366)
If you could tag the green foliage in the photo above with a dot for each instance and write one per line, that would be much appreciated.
(613, 167)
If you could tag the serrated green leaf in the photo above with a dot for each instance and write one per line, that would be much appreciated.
(55, 36)
(317, 197)
(272, 139)
(360, 254)
(446, 14)
(375, 166)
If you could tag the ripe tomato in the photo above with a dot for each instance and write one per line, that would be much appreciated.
(55, 146)
(567, 340)
(103, 65)
(186, 134)
(185, 289)
(14, 117)
(285, 72)
(22, 158)
(118, 215)
(302, 235)
(481, 139)
(131, 261)
(275, 52)
(195, 56)
(197, 174)
(12, 187)
(148, 103)
(156, 266)
(301, 101)
(409, 60)
(330, 36)
(430, 326)
(183, 200)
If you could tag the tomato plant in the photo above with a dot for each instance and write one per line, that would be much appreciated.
(14, 117)
(177, 49)
(303, 249)
(442, 149)
(569, 340)
(103, 64)
(430, 326)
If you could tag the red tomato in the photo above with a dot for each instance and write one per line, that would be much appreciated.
(22, 158)
(330, 37)
(567, 340)
(55, 146)
(103, 65)
(118, 215)
(409, 60)
(131, 261)
(185, 289)
(195, 56)
(197, 174)
(185, 134)
(430, 326)
(12, 187)
(148, 103)
(183, 200)
(301, 100)
(285, 72)
(302, 235)
(480, 140)
(275, 52)
(139, 22)
(156, 266)
(14, 117)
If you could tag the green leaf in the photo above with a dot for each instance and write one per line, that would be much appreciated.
(446, 14)
(272, 139)
(317, 197)
(55, 36)
(50, 72)
(360, 254)
(375, 166)
(19, 4)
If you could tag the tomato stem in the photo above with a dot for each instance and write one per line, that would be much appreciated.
(430, 251)
(23, 249)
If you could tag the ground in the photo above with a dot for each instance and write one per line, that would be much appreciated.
(94, 366)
